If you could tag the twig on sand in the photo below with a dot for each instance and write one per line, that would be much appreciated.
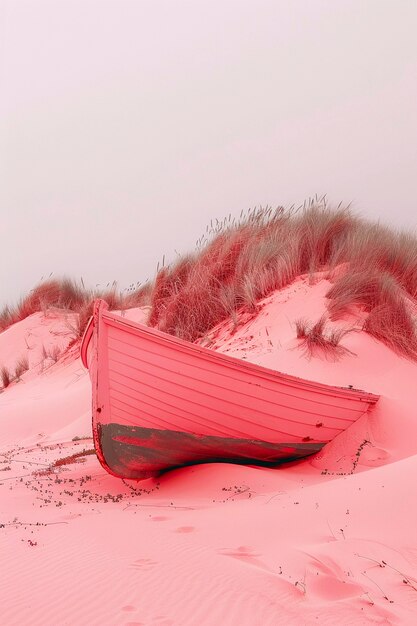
(376, 584)
(165, 506)
(406, 579)
(334, 536)
(15, 477)
(366, 593)
(302, 584)
(239, 492)
(368, 558)
(28, 462)
(280, 493)
(30, 524)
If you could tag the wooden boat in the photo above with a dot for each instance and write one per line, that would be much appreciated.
(160, 402)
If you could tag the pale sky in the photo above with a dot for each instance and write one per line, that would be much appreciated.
(127, 125)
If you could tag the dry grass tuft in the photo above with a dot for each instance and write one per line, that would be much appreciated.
(365, 289)
(315, 340)
(393, 325)
(302, 328)
(137, 296)
(6, 377)
(22, 366)
(6, 318)
(380, 295)
(52, 354)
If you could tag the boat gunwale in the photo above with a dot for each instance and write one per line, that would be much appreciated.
(224, 359)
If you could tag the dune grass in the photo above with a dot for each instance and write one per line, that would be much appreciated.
(315, 338)
(51, 354)
(237, 263)
(8, 376)
(5, 376)
(68, 295)
(242, 263)
(22, 366)
(393, 324)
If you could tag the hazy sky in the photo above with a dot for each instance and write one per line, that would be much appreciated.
(127, 125)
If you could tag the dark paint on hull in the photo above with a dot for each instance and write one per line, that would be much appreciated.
(138, 453)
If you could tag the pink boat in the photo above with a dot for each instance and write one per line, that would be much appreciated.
(160, 403)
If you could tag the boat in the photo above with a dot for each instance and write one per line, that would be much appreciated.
(160, 403)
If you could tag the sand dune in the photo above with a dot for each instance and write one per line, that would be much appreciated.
(328, 540)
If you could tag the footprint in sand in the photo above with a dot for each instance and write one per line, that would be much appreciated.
(249, 556)
(145, 564)
(325, 580)
(184, 529)
(161, 620)
(242, 552)
(373, 457)
(331, 588)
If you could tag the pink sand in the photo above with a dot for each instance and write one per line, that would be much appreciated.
(328, 540)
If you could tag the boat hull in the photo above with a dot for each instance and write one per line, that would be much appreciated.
(138, 453)
(161, 403)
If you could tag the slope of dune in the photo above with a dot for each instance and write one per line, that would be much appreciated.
(328, 540)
